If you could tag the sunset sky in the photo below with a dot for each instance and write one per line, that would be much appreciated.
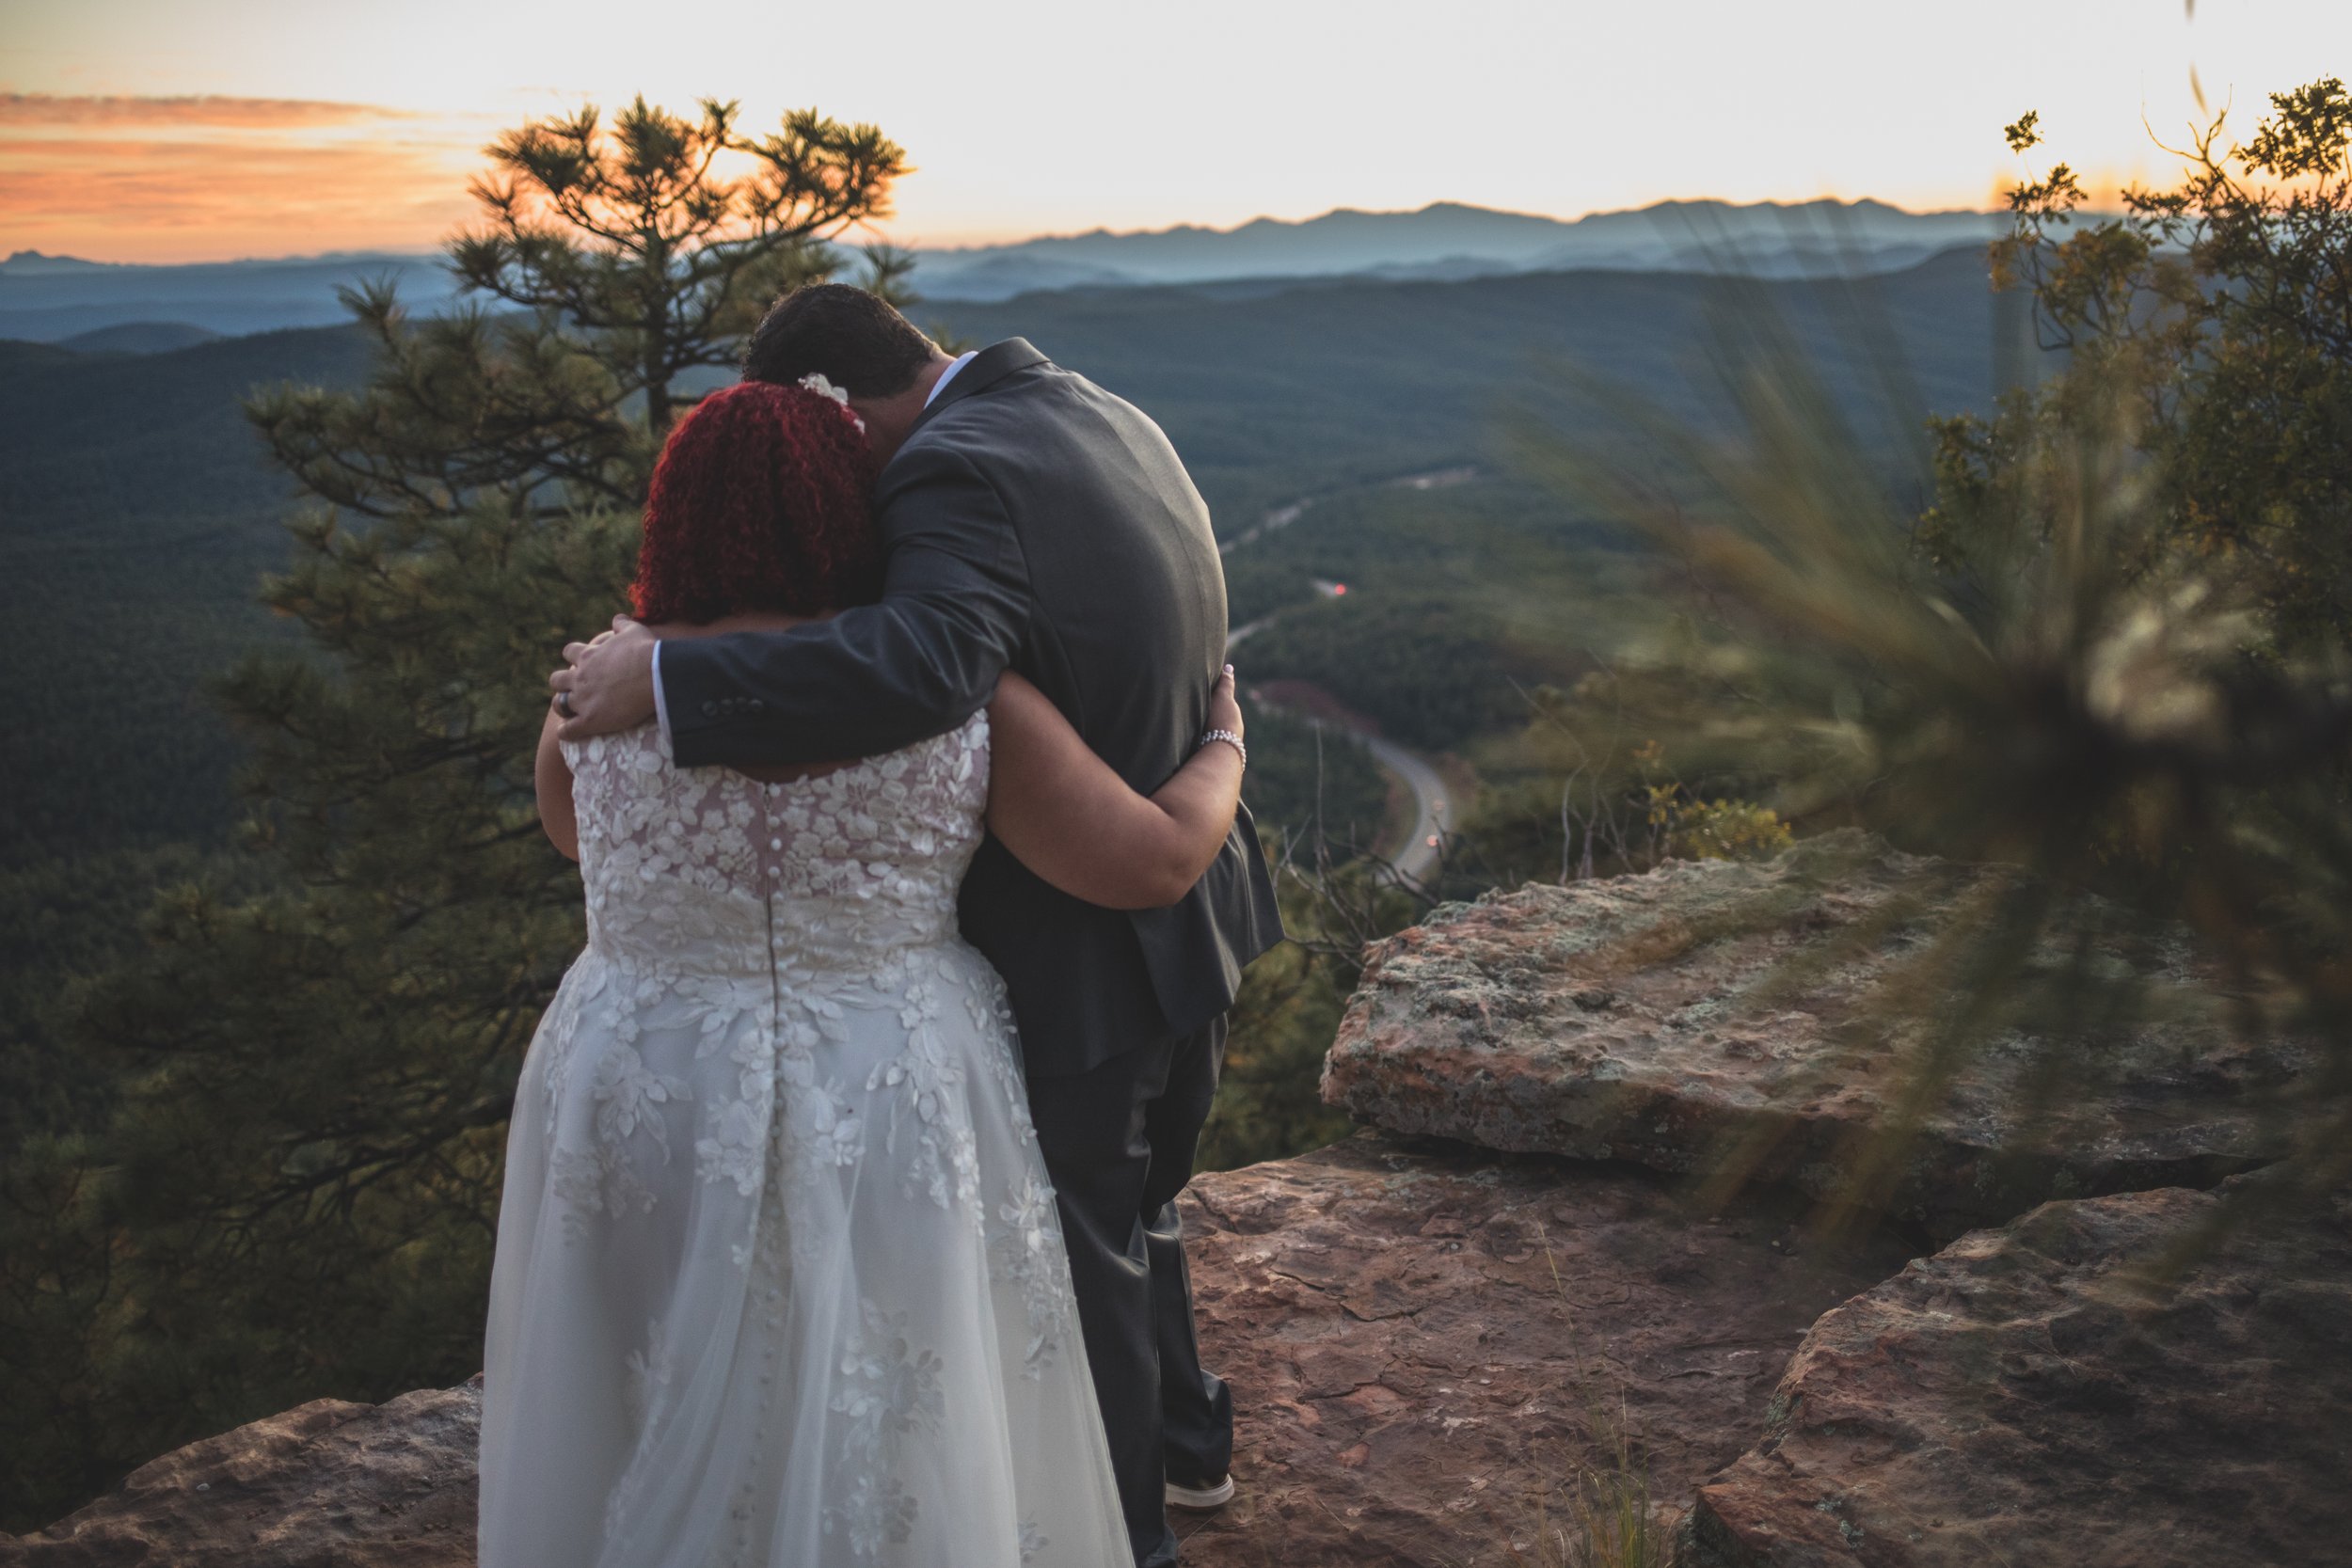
(140, 130)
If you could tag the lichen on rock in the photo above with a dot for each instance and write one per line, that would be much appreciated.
(1714, 1017)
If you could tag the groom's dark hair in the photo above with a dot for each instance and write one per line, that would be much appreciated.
(853, 339)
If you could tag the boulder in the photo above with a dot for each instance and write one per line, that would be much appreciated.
(2026, 1397)
(328, 1485)
(1427, 1342)
(1713, 1017)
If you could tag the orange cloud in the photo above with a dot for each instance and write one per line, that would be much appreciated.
(148, 197)
(136, 181)
(27, 109)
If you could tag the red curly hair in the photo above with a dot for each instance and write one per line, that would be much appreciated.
(762, 501)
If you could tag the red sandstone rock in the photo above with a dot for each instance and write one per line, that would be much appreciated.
(1623, 1018)
(1412, 1377)
(328, 1485)
(1422, 1340)
(2018, 1398)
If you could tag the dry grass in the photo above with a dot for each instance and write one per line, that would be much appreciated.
(1601, 1517)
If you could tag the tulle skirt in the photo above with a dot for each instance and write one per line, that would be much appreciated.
(779, 1282)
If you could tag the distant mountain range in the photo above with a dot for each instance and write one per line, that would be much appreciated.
(1449, 242)
(57, 298)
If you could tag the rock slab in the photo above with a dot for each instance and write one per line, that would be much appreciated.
(328, 1485)
(2021, 1398)
(1713, 1017)
(1426, 1341)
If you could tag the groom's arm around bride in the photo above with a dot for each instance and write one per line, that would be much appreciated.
(1031, 521)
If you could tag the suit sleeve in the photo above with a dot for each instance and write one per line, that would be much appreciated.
(954, 611)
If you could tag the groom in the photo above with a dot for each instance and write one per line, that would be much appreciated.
(1035, 523)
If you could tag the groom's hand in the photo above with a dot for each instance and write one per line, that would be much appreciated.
(608, 682)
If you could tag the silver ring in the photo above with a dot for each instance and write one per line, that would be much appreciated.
(563, 704)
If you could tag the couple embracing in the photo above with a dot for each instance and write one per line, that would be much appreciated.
(839, 1223)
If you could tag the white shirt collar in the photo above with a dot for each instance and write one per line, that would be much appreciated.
(949, 374)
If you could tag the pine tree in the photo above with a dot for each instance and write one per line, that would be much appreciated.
(301, 1186)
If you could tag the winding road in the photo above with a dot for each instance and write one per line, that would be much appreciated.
(1423, 848)
(1426, 847)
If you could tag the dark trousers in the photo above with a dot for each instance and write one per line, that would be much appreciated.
(1119, 1142)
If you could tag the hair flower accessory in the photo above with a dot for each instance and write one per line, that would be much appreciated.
(815, 380)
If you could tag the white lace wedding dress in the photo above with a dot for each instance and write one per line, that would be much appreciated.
(779, 1279)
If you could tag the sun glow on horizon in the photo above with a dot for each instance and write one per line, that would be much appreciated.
(239, 128)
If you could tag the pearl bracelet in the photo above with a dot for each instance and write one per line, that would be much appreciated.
(1229, 739)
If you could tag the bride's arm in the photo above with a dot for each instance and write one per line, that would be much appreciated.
(1067, 817)
(553, 777)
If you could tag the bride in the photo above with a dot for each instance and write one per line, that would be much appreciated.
(779, 1277)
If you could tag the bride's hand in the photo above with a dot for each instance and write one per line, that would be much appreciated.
(1225, 705)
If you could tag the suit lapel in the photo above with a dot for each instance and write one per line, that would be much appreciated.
(989, 366)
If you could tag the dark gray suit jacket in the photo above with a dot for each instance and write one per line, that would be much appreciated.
(1037, 523)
